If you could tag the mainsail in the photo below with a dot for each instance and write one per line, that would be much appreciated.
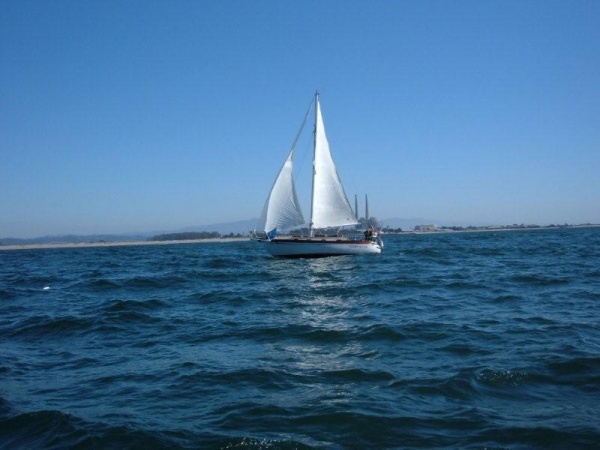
(330, 206)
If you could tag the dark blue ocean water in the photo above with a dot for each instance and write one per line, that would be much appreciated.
(471, 340)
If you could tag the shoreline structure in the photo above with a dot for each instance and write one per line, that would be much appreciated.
(58, 245)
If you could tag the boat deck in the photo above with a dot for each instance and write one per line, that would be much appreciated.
(336, 239)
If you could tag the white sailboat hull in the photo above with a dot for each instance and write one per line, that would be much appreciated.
(314, 248)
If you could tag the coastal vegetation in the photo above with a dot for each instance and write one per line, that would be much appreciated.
(193, 235)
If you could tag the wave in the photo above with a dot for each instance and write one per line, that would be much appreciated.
(107, 319)
(119, 306)
(277, 427)
(48, 429)
(8, 294)
(45, 327)
(503, 378)
(133, 283)
(583, 372)
(357, 375)
(381, 332)
(540, 280)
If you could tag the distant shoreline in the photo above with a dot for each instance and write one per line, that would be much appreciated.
(491, 229)
(117, 244)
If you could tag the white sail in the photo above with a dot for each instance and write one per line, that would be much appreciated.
(330, 206)
(281, 210)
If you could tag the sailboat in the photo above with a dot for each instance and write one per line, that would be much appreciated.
(330, 208)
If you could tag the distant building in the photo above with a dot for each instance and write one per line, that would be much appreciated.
(426, 228)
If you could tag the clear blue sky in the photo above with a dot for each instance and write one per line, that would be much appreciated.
(156, 115)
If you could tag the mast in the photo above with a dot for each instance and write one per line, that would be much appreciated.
(312, 194)
(356, 206)
(367, 208)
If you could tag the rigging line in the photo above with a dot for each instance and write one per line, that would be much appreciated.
(302, 126)
(300, 166)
